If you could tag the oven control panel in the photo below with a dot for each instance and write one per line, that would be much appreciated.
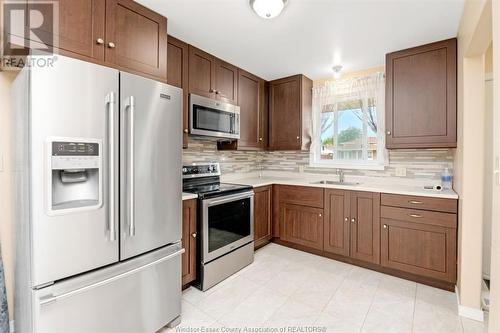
(196, 170)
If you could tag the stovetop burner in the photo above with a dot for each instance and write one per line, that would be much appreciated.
(204, 180)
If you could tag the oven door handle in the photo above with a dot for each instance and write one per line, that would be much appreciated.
(229, 198)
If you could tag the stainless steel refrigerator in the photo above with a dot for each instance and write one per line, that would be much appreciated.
(97, 156)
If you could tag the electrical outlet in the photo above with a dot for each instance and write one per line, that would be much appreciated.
(301, 168)
(400, 172)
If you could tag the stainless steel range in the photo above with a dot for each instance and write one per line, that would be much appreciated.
(225, 223)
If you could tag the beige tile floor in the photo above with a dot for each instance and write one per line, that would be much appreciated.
(285, 288)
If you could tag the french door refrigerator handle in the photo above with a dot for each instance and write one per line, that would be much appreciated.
(130, 105)
(111, 102)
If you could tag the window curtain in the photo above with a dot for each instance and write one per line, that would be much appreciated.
(369, 88)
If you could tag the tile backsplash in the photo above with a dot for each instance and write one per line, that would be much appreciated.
(419, 163)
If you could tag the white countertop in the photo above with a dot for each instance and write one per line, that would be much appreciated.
(188, 196)
(369, 184)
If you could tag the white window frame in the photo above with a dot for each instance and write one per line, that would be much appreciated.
(379, 164)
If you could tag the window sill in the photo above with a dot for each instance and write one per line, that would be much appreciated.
(351, 166)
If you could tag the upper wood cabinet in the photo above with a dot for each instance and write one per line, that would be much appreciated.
(177, 75)
(421, 96)
(262, 215)
(201, 72)
(253, 111)
(115, 33)
(352, 224)
(211, 77)
(136, 38)
(81, 27)
(290, 107)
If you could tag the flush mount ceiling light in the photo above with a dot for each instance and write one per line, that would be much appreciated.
(337, 71)
(268, 9)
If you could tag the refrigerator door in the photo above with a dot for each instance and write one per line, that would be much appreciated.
(151, 164)
(138, 296)
(73, 214)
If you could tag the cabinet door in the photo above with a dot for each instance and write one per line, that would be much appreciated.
(177, 75)
(302, 225)
(251, 99)
(336, 236)
(81, 27)
(421, 93)
(365, 226)
(262, 215)
(285, 114)
(418, 248)
(189, 241)
(201, 73)
(136, 38)
(226, 81)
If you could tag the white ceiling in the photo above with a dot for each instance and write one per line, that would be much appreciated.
(310, 36)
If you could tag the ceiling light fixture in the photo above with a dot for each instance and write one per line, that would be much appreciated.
(337, 71)
(268, 9)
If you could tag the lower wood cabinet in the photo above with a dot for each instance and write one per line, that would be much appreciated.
(189, 241)
(418, 248)
(262, 215)
(352, 224)
(302, 225)
(408, 236)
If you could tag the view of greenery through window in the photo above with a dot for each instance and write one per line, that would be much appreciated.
(349, 131)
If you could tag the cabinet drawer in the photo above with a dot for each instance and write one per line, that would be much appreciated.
(301, 195)
(426, 250)
(417, 202)
(420, 216)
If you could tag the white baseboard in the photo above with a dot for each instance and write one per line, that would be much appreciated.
(11, 326)
(468, 312)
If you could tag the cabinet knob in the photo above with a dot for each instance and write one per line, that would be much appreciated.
(217, 92)
(388, 132)
(111, 45)
(385, 226)
(353, 220)
(346, 219)
(320, 215)
(194, 235)
(186, 130)
(260, 139)
(100, 41)
(298, 137)
(212, 90)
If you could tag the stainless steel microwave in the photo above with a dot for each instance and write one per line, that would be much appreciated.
(209, 117)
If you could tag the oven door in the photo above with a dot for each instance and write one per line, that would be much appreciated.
(227, 223)
(213, 118)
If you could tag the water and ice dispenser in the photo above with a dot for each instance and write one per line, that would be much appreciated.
(75, 175)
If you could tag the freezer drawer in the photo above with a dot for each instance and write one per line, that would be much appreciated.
(138, 296)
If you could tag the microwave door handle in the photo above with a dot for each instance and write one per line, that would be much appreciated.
(110, 103)
(130, 105)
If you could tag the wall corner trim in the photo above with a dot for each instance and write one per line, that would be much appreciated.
(468, 312)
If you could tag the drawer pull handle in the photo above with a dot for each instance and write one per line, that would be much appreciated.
(417, 216)
(415, 202)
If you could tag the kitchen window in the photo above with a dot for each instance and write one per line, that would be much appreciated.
(348, 124)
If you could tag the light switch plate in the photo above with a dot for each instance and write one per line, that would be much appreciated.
(400, 172)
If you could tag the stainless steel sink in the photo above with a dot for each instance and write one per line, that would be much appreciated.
(335, 182)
